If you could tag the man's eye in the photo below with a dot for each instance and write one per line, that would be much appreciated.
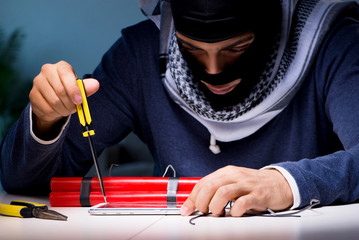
(192, 48)
(234, 51)
(194, 51)
(188, 48)
(240, 50)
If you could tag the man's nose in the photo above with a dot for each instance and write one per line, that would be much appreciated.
(213, 65)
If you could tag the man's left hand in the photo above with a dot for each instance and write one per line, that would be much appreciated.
(249, 189)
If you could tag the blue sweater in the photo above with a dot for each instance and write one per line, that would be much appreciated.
(315, 138)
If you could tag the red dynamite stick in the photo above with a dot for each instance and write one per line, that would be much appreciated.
(122, 199)
(73, 184)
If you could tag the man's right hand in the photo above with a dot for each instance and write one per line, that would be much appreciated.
(54, 95)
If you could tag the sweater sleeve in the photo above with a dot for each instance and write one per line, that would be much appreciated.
(22, 153)
(334, 178)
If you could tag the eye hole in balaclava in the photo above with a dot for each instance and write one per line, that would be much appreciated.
(212, 21)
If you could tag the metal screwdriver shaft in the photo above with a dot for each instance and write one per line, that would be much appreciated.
(85, 119)
(99, 176)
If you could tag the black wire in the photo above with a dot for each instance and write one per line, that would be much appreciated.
(313, 203)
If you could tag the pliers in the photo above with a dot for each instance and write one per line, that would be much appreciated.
(26, 209)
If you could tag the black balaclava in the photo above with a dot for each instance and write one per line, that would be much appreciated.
(217, 20)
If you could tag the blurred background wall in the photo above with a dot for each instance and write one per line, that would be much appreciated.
(78, 31)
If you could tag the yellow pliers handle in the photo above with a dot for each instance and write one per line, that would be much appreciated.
(83, 112)
(22, 209)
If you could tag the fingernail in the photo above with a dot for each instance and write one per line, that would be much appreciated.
(184, 211)
(77, 99)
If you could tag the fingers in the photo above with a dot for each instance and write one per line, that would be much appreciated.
(222, 196)
(43, 110)
(65, 79)
(194, 201)
(210, 200)
(205, 190)
(54, 89)
(51, 89)
(188, 207)
(244, 203)
(55, 92)
(211, 193)
(67, 85)
(249, 189)
(91, 86)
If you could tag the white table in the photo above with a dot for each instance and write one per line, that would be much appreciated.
(324, 223)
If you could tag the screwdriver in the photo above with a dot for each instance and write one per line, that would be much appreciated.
(85, 119)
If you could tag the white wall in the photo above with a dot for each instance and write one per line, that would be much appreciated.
(78, 31)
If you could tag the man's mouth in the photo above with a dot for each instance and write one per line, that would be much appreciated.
(222, 89)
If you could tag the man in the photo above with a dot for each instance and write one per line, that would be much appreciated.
(271, 85)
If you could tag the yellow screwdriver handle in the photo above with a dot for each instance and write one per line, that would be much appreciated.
(83, 111)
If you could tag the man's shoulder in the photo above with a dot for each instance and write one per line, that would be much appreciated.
(137, 39)
(337, 61)
(144, 29)
(346, 28)
(341, 43)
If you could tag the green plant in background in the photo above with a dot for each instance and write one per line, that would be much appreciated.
(13, 91)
